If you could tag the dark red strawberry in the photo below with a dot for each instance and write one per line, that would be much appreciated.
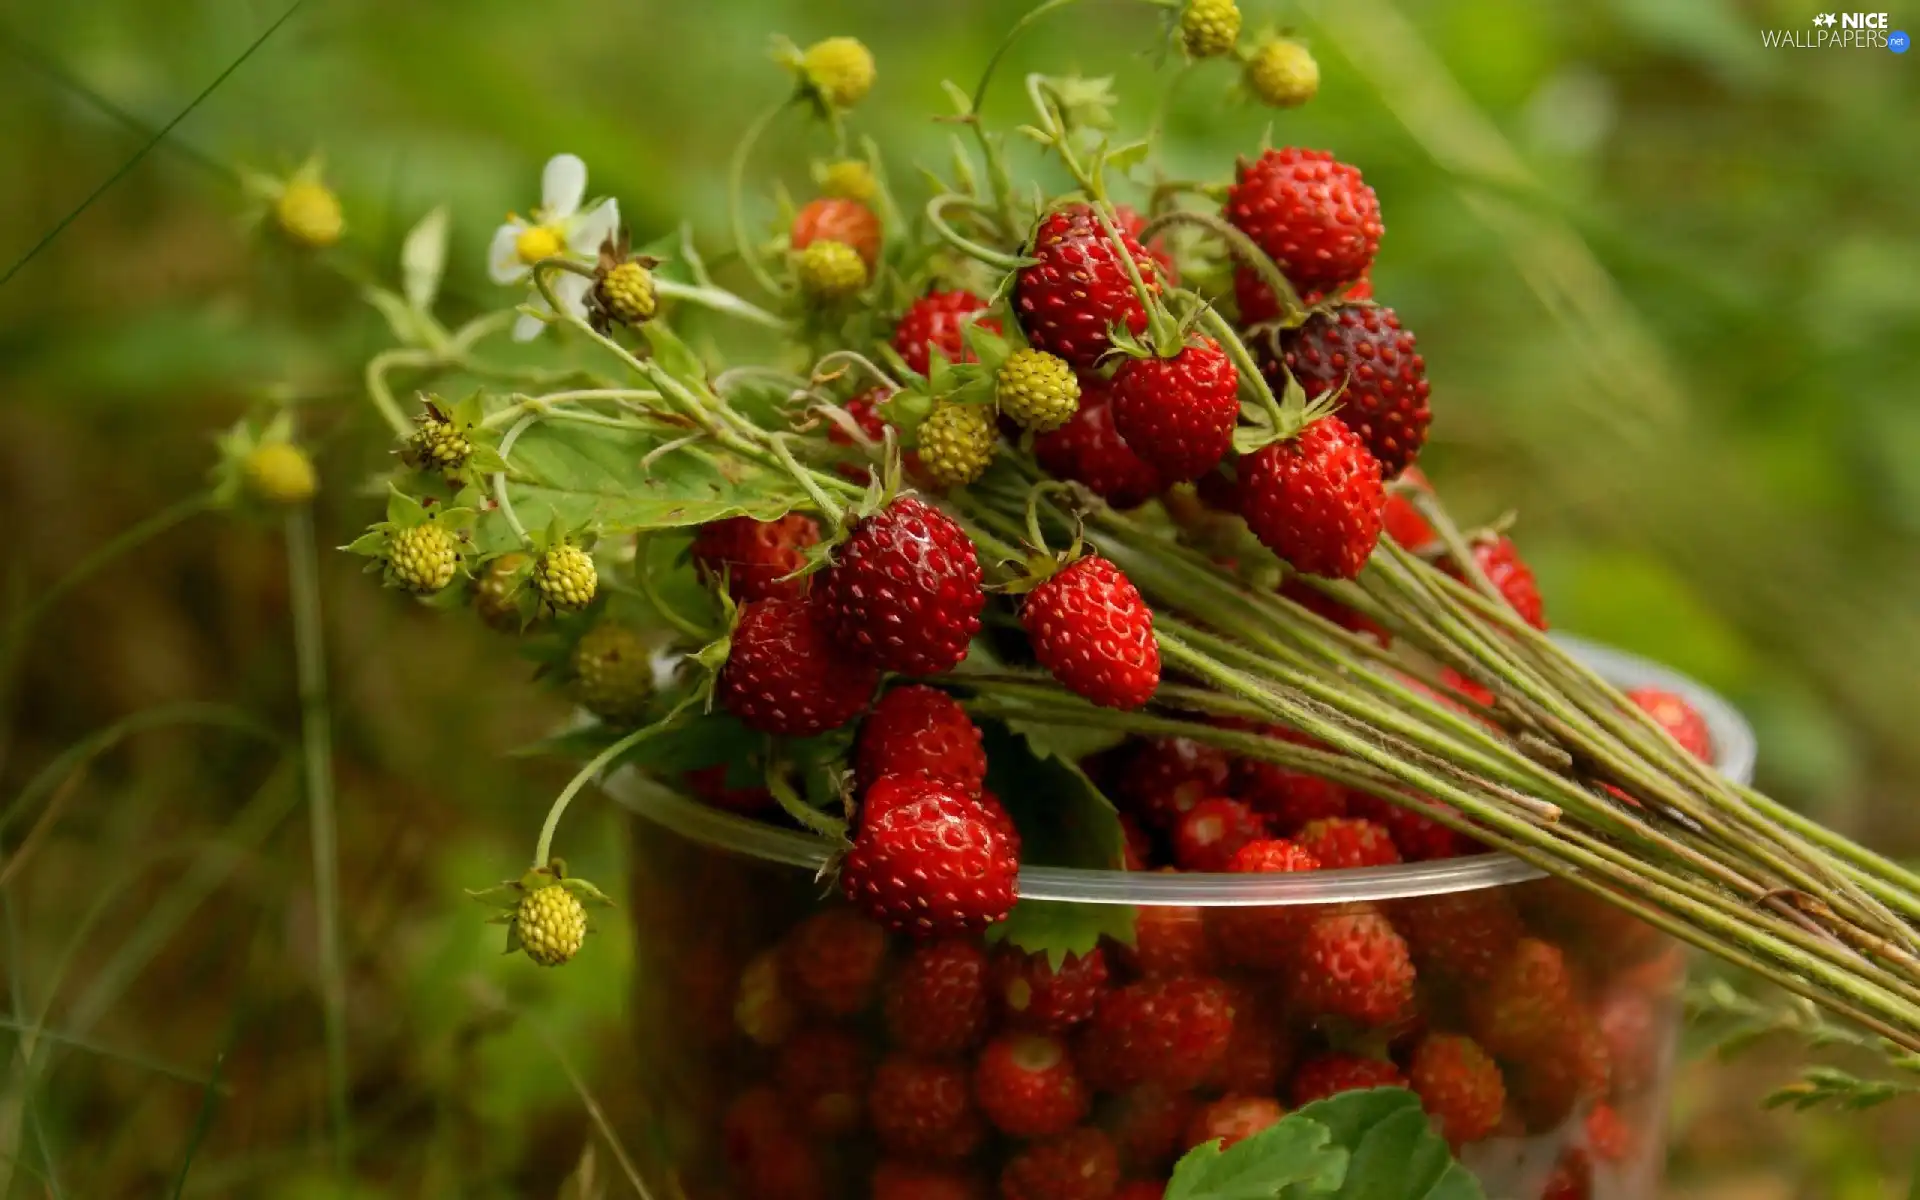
(1264, 937)
(1500, 561)
(1178, 413)
(833, 219)
(832, 962)
(918, 730)
(895, 1179)
(1079, 288)
(1680, 719)
(1233, 1119)
(1078, 1165)
(931, 863)
(1465, 937)
(1258, 304)
(787, 676)
(755, 557)
(1210, 833)
(935, 322)
(936, 1002)
(1418, 836)
(1169, 940)
(1315, 500)
(1361, 351)
(922, 1108)
(1297, 589)
(1026, 1085)
(1332, 1073)
(1261, 1049)
(1149, 1125)
(1352, 964)
(1313, 215)
(1131, 223)
(1089, 449)
(1459, 1085)
(1030, 994)
(710, 784)
(823, 1075)
(1090, 628)
(1169, 1031)
(1287, 799)
(904, 592)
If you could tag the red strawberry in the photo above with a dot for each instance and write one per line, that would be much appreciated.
(1572, 1177)
(1078, 1165)
(1417, 836)
(1026, 1085)
(1459, 1086)
(1178, 413)
(1315, 500)
(936, 322)
(894, 1179)
(1258, 304)
(1079, 288)
(1466, 937)
(864, 408)
(1313, 215)
(1211, 832)
(936, 1002)
(1479, 693)
(922, 1108)
(1287, 799)
(1090, 628)
(1315, 601)
(785, 674)
(1588, 925)
(710, 784)
(1529, 1001)
(905, 591)
(1089, 449)
(1680, 719)
(1171, 1031)
(1350, 963)
(1131, 223)
(1608, 1134)
(1332, 1073)
(1360, 351)
(1141, 1189)
(1000, 818)
(1500, 560)
(837, 220)
(1165, 777)
(1404, 524)
(1030, 994)
(1556, 1077)
(1260, 1051)
(1265, 937)
(1341, 842)
(1632, 1024)
(890, 791)
(918, 730)
(1139, 852)
(832, 961)
(823, 1075)
(786, 1167)
(930, 864)
(753, 1120)
(1149, 1124)
(1169, 941)
(756, 557)
(1233, 1119)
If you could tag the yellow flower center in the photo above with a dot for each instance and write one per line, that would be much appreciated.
(537, 242)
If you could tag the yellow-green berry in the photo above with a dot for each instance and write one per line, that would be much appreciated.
(279, 473)
(422, 558)
(839, 69)
(1281, 72)
(565, 578)
(551, 924)
(309, 214)
(1210, 28)
(830, 271)
(762, 1009)
(956, 444)
(612, 673)
(626, 294)
(1038, 390)
(495, 596)
(848, 179)
(437, 444)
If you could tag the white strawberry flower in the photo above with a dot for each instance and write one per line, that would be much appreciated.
(558, 228)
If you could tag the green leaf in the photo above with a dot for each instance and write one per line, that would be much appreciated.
(403, 511)
(423, 259)
(1064, 820)
(1393, 1151)
(1058, 929)
(400, 316)
(1295, 1153)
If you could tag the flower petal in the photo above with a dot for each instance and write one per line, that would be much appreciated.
(503, 258)
(571, 291)
(587, 231)
(562, 186)
(527, 327)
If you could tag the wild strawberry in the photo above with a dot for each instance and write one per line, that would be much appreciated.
(762, 1009)
(936, 321)
(1030, 994)
(1287, 799)
(1632, 1023)
(823, 1075)
(1209, 28)
(1088, 449)
(1078, 1165)
(1138, 853)
(1025, 1084)
(1079, 288)
(1340, 842)
(829, 272)
(1261, 1050)
(1128, 221)
(833, 961)
(624, 293)
(1417, 836)
(1258, 304)
(1314, 216)
(565, 577)
(1149, 1125)
(1295, 588)
(894, 1179)
(1264, 936)
(1572, 1177)
(1000, 818)
(837, 71)
(308, 213)
(1090, 628)
(936, 1002)
(922, 1108)
(1233, 1119)
(784, 1167)
(846, 179)
(710, 784)
(1350, 963)
(1171, 1031)
(753, 1119)
(1169, 940)
(1500, 561)
(612, 673)
(1210, 833)
(1281, 73)
(1478, 693)
(1587, 925)
(1681, 720)
(904, 592)
(1315, 500)
(1163, 778)
(1037, 390)
(1528, 1001)
(496, 593)
(785, 675)
(1558, 1076)
(1404, 524)
(1178, 413)
(1360, 351)
(957, 444)
(756, 557)
(551, 924)
(931, 864)
(1459, 1085)
(1141, 1189)
(918, 730)
(1608, 1134)
(437, 443)
(422, 558)
(847, 221)
(1466, 937)
(1331, 1073)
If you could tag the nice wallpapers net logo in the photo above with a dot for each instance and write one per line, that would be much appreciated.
(1840, 31)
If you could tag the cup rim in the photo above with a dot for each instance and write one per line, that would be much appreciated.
(1734, 746)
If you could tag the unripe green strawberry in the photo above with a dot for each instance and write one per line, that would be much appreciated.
(848, 179)
(495, 593)
(956, 444)
(422, 558)
(626, 294)
(279, 473)
(829, 271)
(1038, 390)
(437, 444)
(1210, 28)
(1281, 72)
(565, 578)
(839, 70)
(551, 924)
(308, 212)
(613, 673)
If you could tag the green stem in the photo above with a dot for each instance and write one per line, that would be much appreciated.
(127, 539)
(805, 814)
(722, 301)
(543, 849)
(936, 217)
(380, 365)
(1243, 248)
(736, 199)
(1006, 43)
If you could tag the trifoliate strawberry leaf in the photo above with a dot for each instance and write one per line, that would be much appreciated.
(1295, 1158)
(1393, 1152)
(1064, 820)
(1058, 929)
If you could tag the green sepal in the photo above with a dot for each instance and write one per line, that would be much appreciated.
(586, 892)
(1059, 929)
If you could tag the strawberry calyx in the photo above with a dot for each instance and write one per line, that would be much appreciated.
(1284, 420)
(1039, 564)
